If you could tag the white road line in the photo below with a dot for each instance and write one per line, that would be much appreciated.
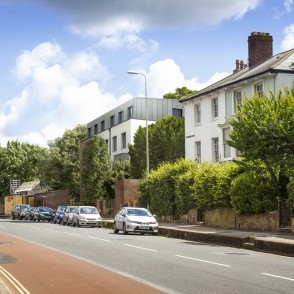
(201, 260)
(279, 277)
(140, 247)
(71, 234)
(99, 239)
(20, 288)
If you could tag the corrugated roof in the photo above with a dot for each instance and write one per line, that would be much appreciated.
(280, 62)
(27, 186)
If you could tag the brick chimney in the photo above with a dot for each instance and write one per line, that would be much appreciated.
(260, 47)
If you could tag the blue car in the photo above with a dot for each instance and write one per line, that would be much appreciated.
(59, 214)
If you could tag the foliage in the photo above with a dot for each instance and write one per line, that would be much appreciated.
(119, 170)
(96, 167)
(179, 93)
(166, 144)
(211, 187)
(263, 130)
(253, 192)
(159, 189)
(19, 161)
(61, 170)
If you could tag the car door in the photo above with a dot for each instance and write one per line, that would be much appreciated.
(120, 218)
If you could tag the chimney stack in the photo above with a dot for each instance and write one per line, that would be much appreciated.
(260, 47)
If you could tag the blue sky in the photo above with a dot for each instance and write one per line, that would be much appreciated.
(65, 62)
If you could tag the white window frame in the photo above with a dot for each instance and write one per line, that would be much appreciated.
(215, 149)
(258, 89)
(214, 108)
(227, 149)
(237, 99)
(197, 114)
(198, 151)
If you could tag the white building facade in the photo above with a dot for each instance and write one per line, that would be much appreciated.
(118, 126)
(206, 112)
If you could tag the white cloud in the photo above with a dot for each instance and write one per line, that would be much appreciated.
(288, 41)
(56, 96)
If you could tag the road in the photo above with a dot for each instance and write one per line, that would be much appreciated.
(162, 264)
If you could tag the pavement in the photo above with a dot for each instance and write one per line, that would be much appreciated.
(281, 243)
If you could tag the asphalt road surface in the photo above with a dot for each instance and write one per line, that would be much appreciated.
(80, 260)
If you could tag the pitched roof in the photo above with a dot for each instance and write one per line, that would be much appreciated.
(27, 186)
(282, 62)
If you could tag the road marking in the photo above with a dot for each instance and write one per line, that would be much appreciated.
(140, 247)
(99, 239)
(201, 260)
(71, 234)
(279, 277)
(21, 289)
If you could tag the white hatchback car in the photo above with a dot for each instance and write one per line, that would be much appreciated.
(135, 219)
(86, 216)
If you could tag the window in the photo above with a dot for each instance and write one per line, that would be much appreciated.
(214, 108)
(177, 112)
(198, 151)
(258, 90)
(237, 100)
(120, 117)
(123, 140)
(197, 114)
(89, 132)
(95, 129)
(114, 143)
(215, 154)
(130, 112)
(102, 126)
(227, 148)
(112, 121)
(106, 142)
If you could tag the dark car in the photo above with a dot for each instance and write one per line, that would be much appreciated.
(30, 213)
(15, 212)
(43, 213)
(59, 214)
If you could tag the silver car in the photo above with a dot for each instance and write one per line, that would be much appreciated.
(87, 216)
(68, 215)
(135, 219)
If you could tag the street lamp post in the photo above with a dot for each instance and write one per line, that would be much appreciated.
(146, 106)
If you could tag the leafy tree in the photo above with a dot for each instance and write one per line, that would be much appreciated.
(96, 167)
(166, 144)
(19, 161)
(119, 170)
(62, 168)
(263, 130)
(179, 93)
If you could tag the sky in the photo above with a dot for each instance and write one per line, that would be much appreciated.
(65, 62)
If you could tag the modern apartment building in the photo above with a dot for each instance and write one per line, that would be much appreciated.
(118, 126)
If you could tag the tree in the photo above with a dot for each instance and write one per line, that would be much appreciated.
(19, 161)
(263, 131)
(166, 144)
(179, 93)
(96, 167)
(62, 168)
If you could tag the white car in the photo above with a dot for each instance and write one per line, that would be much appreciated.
(135, 219)
(86, 216)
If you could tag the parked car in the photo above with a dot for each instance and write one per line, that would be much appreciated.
(23, 212)
(43, 213)
(135, 219)
(68, 214)
(58, 216)
(15, 212)
(87, 216)
(30, 213)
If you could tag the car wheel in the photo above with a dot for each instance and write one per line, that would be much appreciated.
(63, 222)
(115, 230)
(19, 217)
(78, 223)
(13, 216)
(125, 229)
(73, 224)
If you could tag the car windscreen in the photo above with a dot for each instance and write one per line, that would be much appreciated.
(88, 210)
(138, 212)
(45, 209)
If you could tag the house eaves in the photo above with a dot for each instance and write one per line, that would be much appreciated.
(279, 63)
